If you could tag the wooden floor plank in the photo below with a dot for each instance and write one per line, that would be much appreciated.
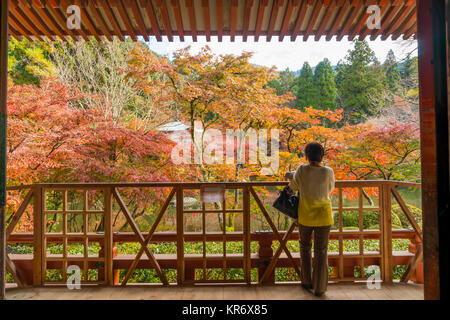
(336, 291)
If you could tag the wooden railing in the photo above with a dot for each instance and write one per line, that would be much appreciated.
(77, 204)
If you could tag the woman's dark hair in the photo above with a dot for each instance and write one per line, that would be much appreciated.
(314, 151)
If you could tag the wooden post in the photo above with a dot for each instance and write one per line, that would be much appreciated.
(265, 252)
(247, 234)
(38, 236)
(3, 133)
(386, 232)
(108, 241)
(433, 125)
(180, 236)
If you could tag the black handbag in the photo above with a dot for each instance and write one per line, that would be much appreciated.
(287, 204)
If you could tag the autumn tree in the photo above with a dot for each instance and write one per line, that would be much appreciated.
(28, 62)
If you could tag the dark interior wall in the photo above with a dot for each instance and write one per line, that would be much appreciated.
(441, 61)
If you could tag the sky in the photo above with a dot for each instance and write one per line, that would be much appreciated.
(285, 54)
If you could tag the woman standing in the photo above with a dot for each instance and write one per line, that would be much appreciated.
(315, 182)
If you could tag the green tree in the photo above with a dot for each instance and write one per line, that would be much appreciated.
(325, 85)
(360, 83)
(409, 78)
(306, 91)
(28, 62)
(285, 83)
(391, 69)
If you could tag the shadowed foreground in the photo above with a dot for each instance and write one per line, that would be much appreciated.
(341, 291)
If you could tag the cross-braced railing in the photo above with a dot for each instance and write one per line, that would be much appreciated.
(85, 215)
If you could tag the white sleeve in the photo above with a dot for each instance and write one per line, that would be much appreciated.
(294, 182)
(332, 180)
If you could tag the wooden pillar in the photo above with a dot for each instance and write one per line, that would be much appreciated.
(265, 252)
(386, 231)
(108, 241)
(433, 125)
(3, 131)
(38, 237)
(180, 236)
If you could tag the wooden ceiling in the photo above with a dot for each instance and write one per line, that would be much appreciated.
(261, 19)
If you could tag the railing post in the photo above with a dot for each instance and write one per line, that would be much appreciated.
(413, 246)
(38, 236)
(247, 234)
(265, 254)
(386, 231)
(108, 240)
(180, 236)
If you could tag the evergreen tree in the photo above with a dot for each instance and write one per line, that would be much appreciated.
(306, 90)
(392, 72)
(326, 88)
(360, 83)
(285, 83)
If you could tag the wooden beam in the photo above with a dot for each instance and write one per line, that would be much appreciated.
(259, 19)
(125, 18)
(148, 6)
(410, 31)
(61, 21)
(247, 12)
(312, 21)
(48, 19)
(407, 213)
(412, 265)
(138, 233)
(343, 8)
(25, 21)
(86, 20)
(359, 24)
(161, 4)
(233, 14)
(26, 7)
(112, 19)
(192, 22)
(273, 18)
(149, 236)
(385, 22)
(298, 23)
(139, 19)
(287, 17)
(206, 19)
(325, 20)
(348, 21)
(18, 214)
(14, 34)
(98, 17)
(178, 18)
(18, 26)
(408, 23)
(402, 14)
(219, 20)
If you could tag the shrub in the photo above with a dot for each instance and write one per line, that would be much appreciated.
(404, 222)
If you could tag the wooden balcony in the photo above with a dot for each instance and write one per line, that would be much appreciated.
(264, 248)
